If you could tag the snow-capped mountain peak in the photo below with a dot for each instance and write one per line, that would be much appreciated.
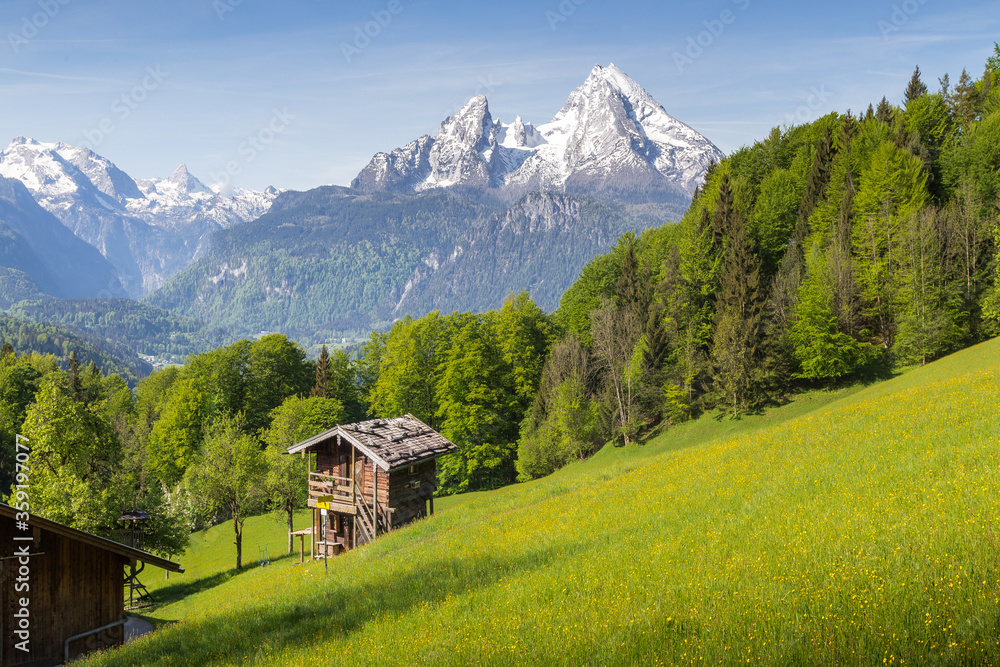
(611, 138)
(186, 183)
(148, 228)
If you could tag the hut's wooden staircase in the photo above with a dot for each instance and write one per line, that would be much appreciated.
(364, 517)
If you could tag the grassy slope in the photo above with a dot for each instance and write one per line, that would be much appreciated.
(863, 530)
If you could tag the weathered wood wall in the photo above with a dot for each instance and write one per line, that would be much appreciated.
(409, 492)
(75, 587)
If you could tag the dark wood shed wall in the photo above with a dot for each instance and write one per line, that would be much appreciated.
(410, 491)
(75, 587)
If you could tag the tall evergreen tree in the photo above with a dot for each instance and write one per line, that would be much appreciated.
(884, 112)
(916, 87)
(76, 383)
(929, 301)
(725, 212)
(965, 100)
(321, 386)
(738, 319)
(736, 344)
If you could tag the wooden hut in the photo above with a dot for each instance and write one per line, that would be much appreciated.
(61, 589)
(368, 478)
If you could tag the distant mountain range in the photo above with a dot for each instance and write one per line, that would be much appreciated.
(147, 229)
(453, 221)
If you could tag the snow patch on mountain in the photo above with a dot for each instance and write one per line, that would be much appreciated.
(148, 228)
(611, 135)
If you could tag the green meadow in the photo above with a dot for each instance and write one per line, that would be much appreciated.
(855, 526)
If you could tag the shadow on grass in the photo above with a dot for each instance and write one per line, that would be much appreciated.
(334, 608)
(171, 593)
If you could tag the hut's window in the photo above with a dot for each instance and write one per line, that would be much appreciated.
(414, 469)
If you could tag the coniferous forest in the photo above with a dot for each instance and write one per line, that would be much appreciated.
(843, 249)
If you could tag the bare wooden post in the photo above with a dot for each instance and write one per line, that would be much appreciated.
(432, 504)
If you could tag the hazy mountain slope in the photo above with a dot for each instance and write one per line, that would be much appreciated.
(33, 241)
(325, 261)
(148, 229)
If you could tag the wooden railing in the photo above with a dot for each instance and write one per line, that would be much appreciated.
(339, 489)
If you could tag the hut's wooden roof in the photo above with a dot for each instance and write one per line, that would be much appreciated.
(391, 443)
(93, 540)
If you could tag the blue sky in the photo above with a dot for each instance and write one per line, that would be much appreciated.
(265, 93)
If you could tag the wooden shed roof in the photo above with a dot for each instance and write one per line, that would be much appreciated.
(391, 443)
(93, 540)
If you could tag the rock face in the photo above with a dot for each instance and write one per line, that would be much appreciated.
(539, 244)
(148, 229)
(611, 140)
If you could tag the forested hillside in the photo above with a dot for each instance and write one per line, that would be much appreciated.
(141, 328)
(824, 251)
(46, 339)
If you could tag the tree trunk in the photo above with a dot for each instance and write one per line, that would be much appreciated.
(239, 542)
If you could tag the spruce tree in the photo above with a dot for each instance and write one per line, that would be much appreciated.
(724, 214)
(76, 385)
(945, 90)
(883, 112)
(965, 99)
(7, 350)
(321, 387)
(738, 315)
(633, 288)
(736, 343)
(818, 177)
(916, 88)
